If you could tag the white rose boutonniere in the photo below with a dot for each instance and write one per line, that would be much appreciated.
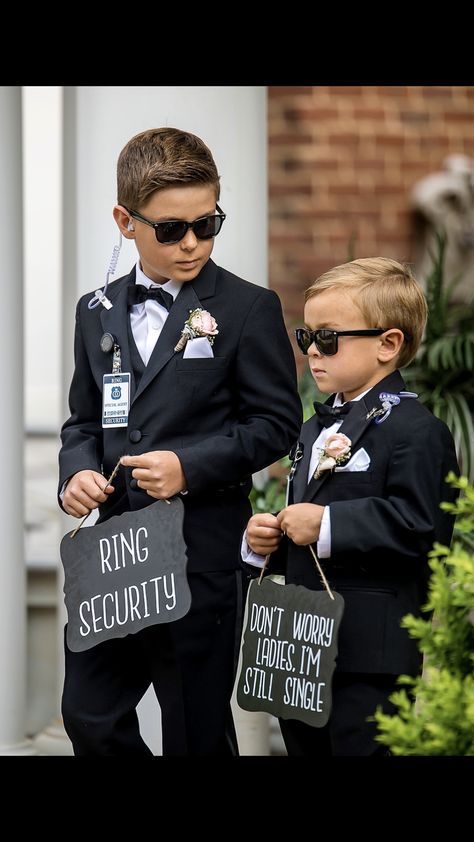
(336, 450)
(200, 323)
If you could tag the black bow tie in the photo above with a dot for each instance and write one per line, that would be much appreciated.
(328, 415)
(137, 294)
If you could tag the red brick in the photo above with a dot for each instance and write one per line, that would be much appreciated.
(442, 93)
(289, 138)
(432, 141)
(369, 113)
(392, 90)
(369, 164)
(459, 116)
(417, 117)
(352, 90)
(388, 188)
(311, 113)
(292, 90)
(345, 189)
(289, 190)
(288, 239)
(346, 138)
(389, 140)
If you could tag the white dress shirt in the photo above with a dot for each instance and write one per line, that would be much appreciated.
(147, 319)
(324, 540)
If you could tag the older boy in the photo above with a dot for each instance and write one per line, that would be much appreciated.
(366, 491)
(201, 420)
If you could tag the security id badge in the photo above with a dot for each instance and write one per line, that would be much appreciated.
(115, 400)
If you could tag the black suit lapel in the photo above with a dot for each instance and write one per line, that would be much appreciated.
(115, 321)
(309, 433)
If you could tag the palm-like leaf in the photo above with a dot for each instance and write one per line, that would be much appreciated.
(442, 371)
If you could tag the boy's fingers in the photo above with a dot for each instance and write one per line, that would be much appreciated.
(133, 461)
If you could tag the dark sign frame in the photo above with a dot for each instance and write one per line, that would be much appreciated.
(125, 574)
(289, 651)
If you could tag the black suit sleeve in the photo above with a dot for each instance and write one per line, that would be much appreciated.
(268, 405)
(81, 435)
(407, 519)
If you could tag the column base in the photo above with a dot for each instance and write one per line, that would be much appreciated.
(26, 747)
(53, 740)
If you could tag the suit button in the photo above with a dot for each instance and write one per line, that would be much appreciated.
(135, 436)
(134, 484)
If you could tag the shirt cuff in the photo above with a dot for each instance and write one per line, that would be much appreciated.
(248, 555)
(324, 540)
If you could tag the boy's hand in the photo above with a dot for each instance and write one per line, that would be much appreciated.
(85, 491)
(157, 472)
(301, 522)
(263, 534)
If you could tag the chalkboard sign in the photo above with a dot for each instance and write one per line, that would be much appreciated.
(289, 651)
(125, 574)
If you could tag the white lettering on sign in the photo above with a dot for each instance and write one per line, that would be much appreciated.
(125, 550)
(130, 604)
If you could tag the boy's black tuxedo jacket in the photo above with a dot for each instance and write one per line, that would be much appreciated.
(225, 417)
(383, 524)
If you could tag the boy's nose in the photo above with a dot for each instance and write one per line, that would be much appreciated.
(313, 351)
(189, 240)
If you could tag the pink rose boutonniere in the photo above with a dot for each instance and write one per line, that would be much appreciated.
(336, 451)
(200, 323)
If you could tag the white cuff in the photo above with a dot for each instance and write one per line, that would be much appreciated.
(248, 554)
(324, 540)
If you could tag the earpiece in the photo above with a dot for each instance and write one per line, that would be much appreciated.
(130, 226)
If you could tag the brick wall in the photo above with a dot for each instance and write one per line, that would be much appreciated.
(342, 161)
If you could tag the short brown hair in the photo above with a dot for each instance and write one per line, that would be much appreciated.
(387, 294)
(160, 158)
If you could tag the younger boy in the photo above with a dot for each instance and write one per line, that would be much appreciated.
(204, 415)
(366, 491)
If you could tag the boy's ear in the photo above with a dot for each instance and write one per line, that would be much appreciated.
(122, 218)
(390, 344)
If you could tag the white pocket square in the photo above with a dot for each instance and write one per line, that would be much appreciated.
(199, 347)
(360, 461)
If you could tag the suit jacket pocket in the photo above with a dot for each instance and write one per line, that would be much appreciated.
(204, 364)
(350, 477)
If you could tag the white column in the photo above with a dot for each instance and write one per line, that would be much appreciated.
(53, 739)
(12, 562)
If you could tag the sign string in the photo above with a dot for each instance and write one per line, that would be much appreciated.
(112, 476)
(320, 570)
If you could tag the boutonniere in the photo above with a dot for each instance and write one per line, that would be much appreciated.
(200, 323)
(336, 451)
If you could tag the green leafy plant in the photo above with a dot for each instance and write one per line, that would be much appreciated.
(441, 374)
(441, 720)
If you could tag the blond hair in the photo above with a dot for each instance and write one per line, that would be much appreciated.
(160, 158)
(386, 293)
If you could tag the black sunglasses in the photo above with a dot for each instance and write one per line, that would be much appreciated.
(173, 231)
(326, 340)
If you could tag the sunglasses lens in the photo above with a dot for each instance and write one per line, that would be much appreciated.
(208, 227)
(170, 232)
(326, 342)
(303, 339)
